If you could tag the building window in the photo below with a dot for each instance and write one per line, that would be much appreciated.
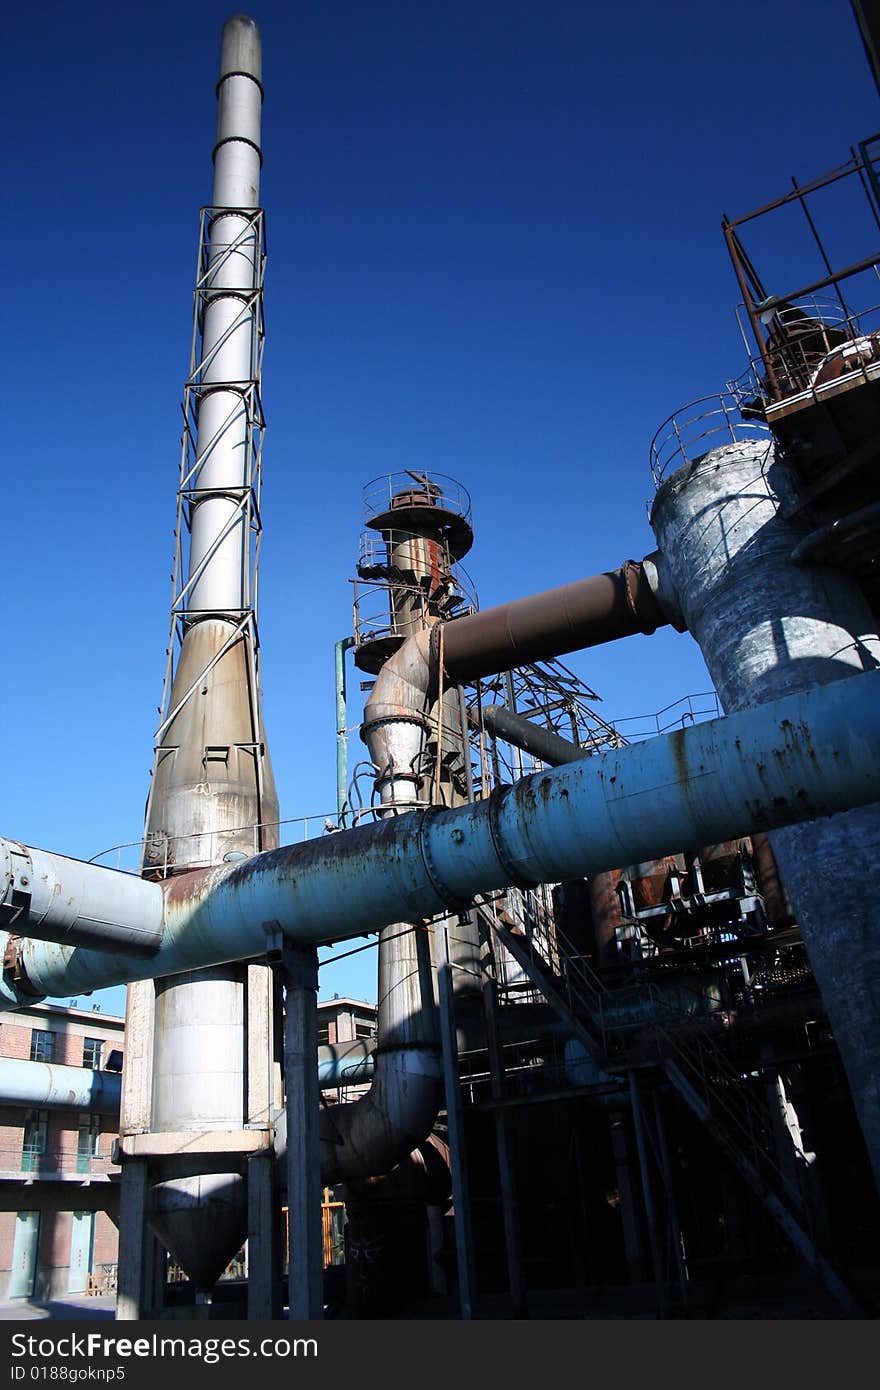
(93, 1052)
(88, 1144)
(43, 1045)
(365, 1030)
(36, 1127)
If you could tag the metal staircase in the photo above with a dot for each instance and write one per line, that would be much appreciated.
(625, 1030)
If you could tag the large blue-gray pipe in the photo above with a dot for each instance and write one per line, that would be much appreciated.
(798, 758)
(82, 1088)
(69, 1088)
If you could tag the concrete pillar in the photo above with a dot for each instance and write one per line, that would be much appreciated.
(137, 1085)
(263, 1245)
(503, 1138)
(259, 1046)
(264, 1268)
(638, 1118)
(141, 1276)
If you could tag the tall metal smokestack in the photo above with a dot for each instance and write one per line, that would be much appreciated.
(212, 796)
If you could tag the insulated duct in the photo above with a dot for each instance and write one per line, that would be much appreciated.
(41, 1084)
(803, 757)
(82, 1088)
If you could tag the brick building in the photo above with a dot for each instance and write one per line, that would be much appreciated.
(59, 1190)
(343, 1020)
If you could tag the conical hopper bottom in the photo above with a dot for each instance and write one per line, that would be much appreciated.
(202, 1221)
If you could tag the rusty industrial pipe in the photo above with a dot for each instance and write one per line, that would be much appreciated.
(583, 614)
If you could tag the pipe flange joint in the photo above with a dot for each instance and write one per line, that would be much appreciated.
(16, 878)
(515, 878)
(395, 714)
(443, 891)
(640, 598)
(237, 140)
(14, 969)
(240, 72)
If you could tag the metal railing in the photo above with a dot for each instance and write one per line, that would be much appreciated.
(384, 610)
(690, 709)
(700, 426)
(127, 856)
(385, 493)
(815, 348)
(32, 1162)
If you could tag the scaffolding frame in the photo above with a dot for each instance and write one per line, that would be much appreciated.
(248, 393)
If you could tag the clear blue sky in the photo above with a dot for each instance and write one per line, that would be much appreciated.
(494, 252)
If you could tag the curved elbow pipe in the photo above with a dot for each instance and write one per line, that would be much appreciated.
(367, 1137)
(633, 598)
(370, 1136)
(397, 720)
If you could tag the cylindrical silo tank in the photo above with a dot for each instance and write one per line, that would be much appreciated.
(767, 628)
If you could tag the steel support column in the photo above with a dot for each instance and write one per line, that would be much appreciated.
(460, 1187)
(306, 1272)
(503, 1147)
(648, 1194)
(633, 1245)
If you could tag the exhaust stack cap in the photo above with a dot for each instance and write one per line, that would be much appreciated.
(241, 48)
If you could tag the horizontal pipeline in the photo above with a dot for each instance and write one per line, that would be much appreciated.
(56, 898)
(522, 733)
(70, 1088)
(569, 618)
(82, 1088)
(799, 758)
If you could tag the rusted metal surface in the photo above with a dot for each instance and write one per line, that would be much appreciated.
(606, 912)
(649, 880)
(213, 788)
(573, 616)
(720, 864)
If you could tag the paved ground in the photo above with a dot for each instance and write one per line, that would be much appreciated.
(793, 1296)
(73, 1306)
